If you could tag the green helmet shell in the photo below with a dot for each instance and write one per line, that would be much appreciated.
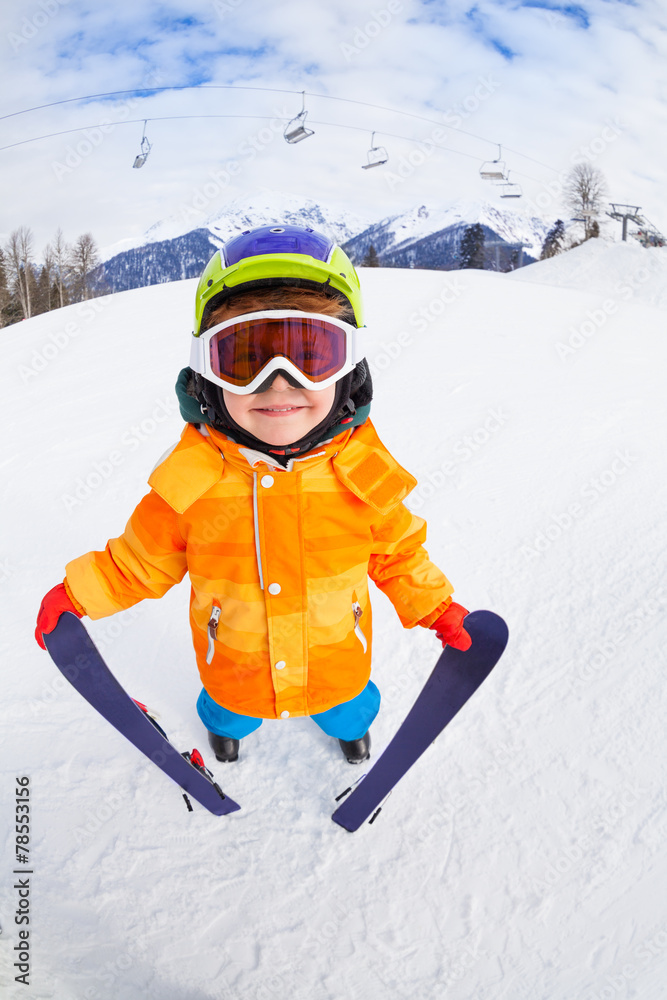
(273, 255)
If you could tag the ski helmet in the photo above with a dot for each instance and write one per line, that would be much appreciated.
(270, 256)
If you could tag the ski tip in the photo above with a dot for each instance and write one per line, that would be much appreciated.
(486, 626)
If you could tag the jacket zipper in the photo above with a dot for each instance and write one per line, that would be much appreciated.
(356, 607)
(212, 631)
(255, 516)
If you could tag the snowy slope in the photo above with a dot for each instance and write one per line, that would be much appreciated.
(524, 857)
(623, 271)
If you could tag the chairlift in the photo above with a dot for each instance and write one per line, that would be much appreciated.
(146, 147)
(493, 170)
(296, 129)
(510, 190)
(377, 155)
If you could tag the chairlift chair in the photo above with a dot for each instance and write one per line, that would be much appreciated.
(146, 147)
(510, 190)
(493, 170)
(377, 155)
(296, 129)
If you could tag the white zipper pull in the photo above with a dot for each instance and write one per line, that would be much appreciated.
(356, 607)
(212, 631)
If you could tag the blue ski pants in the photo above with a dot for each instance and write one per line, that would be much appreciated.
(348, 721)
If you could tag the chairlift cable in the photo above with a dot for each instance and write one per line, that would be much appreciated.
(131, 121)
(271, 90)
(161, 118)
(148, 90)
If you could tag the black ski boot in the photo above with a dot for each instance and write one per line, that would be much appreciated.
(357, 751)
(225, 748)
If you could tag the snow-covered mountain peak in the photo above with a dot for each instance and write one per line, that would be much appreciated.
(266, 207)
(422, 221)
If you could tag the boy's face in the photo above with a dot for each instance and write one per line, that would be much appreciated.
(282, 414)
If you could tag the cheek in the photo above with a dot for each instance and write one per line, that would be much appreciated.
(237, 406)
(322, 401)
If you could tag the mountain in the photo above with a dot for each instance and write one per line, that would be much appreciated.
(431, 237)
(171, 250)
(422, 237)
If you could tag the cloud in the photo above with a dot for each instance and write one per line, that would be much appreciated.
(544, 79)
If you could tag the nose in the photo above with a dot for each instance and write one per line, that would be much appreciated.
(280, 383)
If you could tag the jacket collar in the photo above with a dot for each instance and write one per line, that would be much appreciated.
(360, 462)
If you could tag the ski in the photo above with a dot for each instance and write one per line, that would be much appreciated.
(455, 677)
(74, 653)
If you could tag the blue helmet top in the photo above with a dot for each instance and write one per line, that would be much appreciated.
(277, 239)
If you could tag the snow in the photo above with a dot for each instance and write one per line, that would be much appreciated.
(247, 212)
(523, 856)
(418, 223)
(623, 270)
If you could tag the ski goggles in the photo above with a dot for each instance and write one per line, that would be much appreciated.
(245, 351)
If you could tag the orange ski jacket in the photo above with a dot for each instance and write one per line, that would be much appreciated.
(279, 560)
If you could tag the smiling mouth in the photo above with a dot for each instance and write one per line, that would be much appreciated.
(278, 409)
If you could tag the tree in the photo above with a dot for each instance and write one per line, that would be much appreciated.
(19, 262)
(553, 243)
(83, 258)
(60, 252)
(472, 247)
(371, 259)
(44, 299)
(585, 191)
(5, 297)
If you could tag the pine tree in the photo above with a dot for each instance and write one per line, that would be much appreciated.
(472, 247)
(553, 243)
(371, 259)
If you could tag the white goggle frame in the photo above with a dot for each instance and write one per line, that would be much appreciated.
(200, 354)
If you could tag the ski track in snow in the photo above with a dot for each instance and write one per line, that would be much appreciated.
(523, 856)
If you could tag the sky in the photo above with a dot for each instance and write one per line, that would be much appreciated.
(442, 85)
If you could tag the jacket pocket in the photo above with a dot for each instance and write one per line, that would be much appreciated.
(212, 629)
(356, 608)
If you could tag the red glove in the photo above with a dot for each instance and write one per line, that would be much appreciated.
(51, 608)
(449, 628)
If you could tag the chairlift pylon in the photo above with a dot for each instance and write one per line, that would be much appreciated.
(146, 147)
(510, 189)
(296, 129)
(493, 170)
(377, 155)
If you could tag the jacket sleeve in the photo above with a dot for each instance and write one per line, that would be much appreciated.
(401, 568)
(145, 561)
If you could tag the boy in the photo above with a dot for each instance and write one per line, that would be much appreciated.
(279, 500)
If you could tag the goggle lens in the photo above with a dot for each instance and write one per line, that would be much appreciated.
(239, 352)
